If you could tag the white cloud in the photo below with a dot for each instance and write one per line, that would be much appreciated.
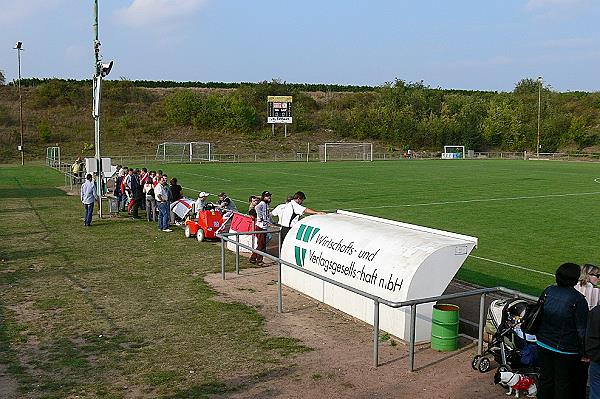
(158, 12)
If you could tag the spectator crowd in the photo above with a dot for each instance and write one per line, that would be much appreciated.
(156, 194)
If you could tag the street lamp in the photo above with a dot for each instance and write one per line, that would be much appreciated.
(540, 81)
(101, 70)
(19, 48)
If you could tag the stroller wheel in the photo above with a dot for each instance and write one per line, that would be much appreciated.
(475, 362)
(484, 365)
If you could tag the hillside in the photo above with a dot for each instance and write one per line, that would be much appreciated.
(395, 116)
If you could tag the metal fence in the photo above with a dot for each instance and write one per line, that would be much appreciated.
(72, 180)
(377, 301)
(142, 160)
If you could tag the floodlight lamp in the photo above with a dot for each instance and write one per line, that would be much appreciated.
(105, 68)
(18, 45)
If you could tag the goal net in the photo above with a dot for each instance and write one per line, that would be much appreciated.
(454, 152)
(53, 157)
(346, 152)
(184, 152)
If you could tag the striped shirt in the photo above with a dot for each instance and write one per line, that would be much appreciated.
(263, 217)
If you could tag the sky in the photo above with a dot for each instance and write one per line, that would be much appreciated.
(452, 44)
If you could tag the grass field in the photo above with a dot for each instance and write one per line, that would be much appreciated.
(529, 215)
(121, 310)
(115, 310)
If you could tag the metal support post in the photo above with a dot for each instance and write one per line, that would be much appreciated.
(223, 258)
(481, 324)
(376, 333)
(279, 283)
(411, 353)
(279, 244)
(237, 253)
(279, 291)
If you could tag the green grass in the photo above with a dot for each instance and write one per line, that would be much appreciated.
(530, 214)
(120, 310)
(116, 310)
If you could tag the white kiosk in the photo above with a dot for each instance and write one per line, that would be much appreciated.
(393, 260)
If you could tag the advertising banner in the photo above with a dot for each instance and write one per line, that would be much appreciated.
(392, 260)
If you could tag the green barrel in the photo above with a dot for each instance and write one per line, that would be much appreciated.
(444, 328)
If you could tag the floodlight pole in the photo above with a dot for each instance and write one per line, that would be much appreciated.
(96, 84)
(540, 79)
(19, 49)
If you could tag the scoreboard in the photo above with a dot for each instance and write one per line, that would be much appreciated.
(279, 109)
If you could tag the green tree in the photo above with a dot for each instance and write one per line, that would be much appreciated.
(182, 107)
(44, 131)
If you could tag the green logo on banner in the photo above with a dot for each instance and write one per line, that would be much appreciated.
(305, 233)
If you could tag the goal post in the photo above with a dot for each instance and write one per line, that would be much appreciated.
(346, 152)
(454, 152)
(53, 157)
(184, 151)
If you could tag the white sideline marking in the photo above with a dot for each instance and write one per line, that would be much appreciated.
(319, 177)
(207, 176)
(471, 200)
(511, 265)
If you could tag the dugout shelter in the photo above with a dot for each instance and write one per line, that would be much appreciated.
(392, 260)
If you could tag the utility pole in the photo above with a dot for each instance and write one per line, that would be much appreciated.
(101, 70)
(96, 110)
(540, 79)
(19, 48)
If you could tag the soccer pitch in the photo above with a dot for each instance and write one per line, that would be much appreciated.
(529, 216)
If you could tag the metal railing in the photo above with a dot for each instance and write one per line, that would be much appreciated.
(144, 160)
(377, 301)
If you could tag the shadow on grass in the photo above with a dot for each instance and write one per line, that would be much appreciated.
(37, 192)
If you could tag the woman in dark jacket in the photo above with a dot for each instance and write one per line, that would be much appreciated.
(560, 337)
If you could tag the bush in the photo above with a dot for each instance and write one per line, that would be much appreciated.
(44, 131)
(182, 107)
(124, 92)
(6, 119)
(59, 92)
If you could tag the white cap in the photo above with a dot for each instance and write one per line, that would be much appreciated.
(203, 194)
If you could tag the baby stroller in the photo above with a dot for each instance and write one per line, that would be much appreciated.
(508, 346)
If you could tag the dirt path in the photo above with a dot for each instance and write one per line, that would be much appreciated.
(341, 364)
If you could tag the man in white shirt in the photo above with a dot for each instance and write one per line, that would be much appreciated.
(162, 203)
(291, 212)
(88, 197)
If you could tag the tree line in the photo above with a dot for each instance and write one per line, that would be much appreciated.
(399, 113)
